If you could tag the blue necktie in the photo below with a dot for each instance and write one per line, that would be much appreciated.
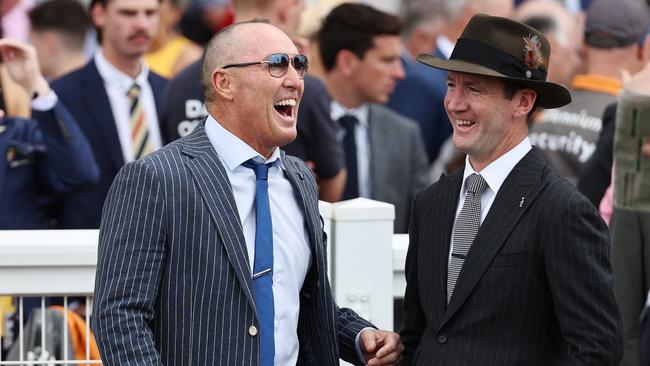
(351, 190)
(263, 263)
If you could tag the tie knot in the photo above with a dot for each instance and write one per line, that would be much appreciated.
(261, 170)
(134, 91)
(475, 183)
(348, 121)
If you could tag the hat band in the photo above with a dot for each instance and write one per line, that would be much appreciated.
(493, 58)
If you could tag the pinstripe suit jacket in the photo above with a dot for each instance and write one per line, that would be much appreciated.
(536, 285)
(173, 283)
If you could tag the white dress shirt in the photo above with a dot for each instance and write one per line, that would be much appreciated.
(362, 140)
(291, 252)
(494, 174)
(445, 46)
(117, 85)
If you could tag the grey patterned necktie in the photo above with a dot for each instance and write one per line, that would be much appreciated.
(467, 224)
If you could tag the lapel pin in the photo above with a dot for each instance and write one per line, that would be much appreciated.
(301, 176)
(521, 203)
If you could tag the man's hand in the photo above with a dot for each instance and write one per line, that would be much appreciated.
(639, 82)
(381, 347)
(22, 65)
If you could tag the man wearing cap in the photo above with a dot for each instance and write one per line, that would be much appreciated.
(567, 137)
(508, 264)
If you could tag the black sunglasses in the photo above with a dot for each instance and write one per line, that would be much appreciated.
(279, 64)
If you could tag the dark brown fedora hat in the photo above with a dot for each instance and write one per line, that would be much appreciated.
(507, 49)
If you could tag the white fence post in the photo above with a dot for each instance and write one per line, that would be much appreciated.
(362, 258)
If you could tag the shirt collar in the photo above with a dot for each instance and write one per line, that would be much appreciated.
(497, 171)
(445, 46)
(361, 112)
(232, 150)
(116, 78)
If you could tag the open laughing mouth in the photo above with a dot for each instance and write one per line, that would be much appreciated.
(464, 123)
(285, 107)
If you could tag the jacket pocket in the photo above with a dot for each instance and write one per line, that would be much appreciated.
(514, 259)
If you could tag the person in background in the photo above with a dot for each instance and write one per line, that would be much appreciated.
(170, 51)
(614, 38)
(384, 153)
(58, 31)
(508, 264)
(630, 228)
(225, 227)
(622, 29)
(115, 99)
(40, 158)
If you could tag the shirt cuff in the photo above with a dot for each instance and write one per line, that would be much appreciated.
(357, 345)
(45, 102)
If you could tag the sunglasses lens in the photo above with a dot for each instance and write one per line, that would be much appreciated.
(278, 64)
(301, 64)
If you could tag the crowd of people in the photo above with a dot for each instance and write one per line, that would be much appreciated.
(492, 126)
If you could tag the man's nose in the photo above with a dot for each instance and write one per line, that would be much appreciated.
(455, 102)
(292, 79)
(398, 70)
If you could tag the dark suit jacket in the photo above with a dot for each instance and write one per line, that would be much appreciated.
(420, 97)
(83, 93)
(535, 288)
(173, 283)
(597, 173)
(40, 159)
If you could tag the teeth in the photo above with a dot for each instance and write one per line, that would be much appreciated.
(286, 103)
(463, 122)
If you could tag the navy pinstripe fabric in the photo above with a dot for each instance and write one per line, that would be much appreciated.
(536, 285)
(173, 283)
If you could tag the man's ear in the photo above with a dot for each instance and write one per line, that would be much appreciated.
(347, 62)
(525, 99)
(97, 14)
(222, 84)
(643, 51)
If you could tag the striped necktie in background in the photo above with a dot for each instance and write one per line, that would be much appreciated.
(139, 128)
(467, 225)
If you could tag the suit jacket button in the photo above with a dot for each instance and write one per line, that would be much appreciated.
(252, 330)
(442, 339)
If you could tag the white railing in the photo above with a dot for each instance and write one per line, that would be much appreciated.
(366, 263)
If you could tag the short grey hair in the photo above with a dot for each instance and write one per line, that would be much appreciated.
(416, 12)
(453, 8)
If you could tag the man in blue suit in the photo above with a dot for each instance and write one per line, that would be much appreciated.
(41, 158)
(115, 99)
(211, 250)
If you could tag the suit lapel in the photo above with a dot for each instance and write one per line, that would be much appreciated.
(214, 186)
(524, 181)
(96, 99)
(298, 182)
(443, 208)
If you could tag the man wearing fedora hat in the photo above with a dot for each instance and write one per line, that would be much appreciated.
(508, 264)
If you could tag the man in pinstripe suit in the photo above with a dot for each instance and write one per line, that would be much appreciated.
(179, 233)
(508, 264)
